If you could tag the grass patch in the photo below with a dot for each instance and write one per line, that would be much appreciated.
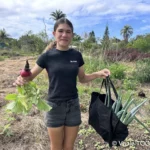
(2, 58)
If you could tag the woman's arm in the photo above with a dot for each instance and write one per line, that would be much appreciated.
(34, 72)
(84, 78)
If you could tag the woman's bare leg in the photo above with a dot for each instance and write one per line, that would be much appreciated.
(56, 136)
(70, 134)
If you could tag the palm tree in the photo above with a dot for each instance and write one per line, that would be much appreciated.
(127, 31)
(57, 15)
(3, 35)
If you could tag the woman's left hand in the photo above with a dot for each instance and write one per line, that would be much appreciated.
(103, 73)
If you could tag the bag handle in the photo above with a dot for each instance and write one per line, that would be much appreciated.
(113, 87)
(109, 92)
(108, 85)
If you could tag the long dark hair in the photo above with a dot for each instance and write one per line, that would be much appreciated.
(52, 45)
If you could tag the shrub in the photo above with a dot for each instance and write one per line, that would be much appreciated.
(9, 53)
(122, 44)
(142, 44)
(93, 64)
(142, 72)
(117, 71)
(130, 84)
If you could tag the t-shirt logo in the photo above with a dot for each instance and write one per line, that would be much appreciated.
(73, 61)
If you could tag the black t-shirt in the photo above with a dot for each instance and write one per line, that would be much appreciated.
(62, 68)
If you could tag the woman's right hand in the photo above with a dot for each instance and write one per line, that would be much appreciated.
(20, 81)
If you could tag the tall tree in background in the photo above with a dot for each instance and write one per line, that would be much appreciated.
(76, 38)
(92, 37)
(31, 42)
(3, 35)
(127, 31)
(57, 15)
(105, 41)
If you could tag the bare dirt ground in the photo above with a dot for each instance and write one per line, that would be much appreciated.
(29, 132)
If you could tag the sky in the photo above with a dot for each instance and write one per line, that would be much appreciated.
(18, 17)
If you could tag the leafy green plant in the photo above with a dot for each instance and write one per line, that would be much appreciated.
(142, 44)
(142, 72)
(98, 145)
(6, 130)
(130, 84)
(117, 70)
(26, 96)
(86, 131)
(81, 144)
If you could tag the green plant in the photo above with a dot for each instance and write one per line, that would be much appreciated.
(142, 71)
(6, 130)
(81, 144)
(122, 44)
(93, 64)
(117, 70)
(128, 118)
(130, 84)
(98, 146)
(26, 96)
(142, 44)
(86, 132)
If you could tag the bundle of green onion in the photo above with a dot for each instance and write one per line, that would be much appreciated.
(122, 110)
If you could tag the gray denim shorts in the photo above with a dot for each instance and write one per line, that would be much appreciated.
(63, 114)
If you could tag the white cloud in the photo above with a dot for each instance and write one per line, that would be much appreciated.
(19, 16)
(147, 27)
(143, 8)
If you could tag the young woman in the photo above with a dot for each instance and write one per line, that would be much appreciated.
(63, 65)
